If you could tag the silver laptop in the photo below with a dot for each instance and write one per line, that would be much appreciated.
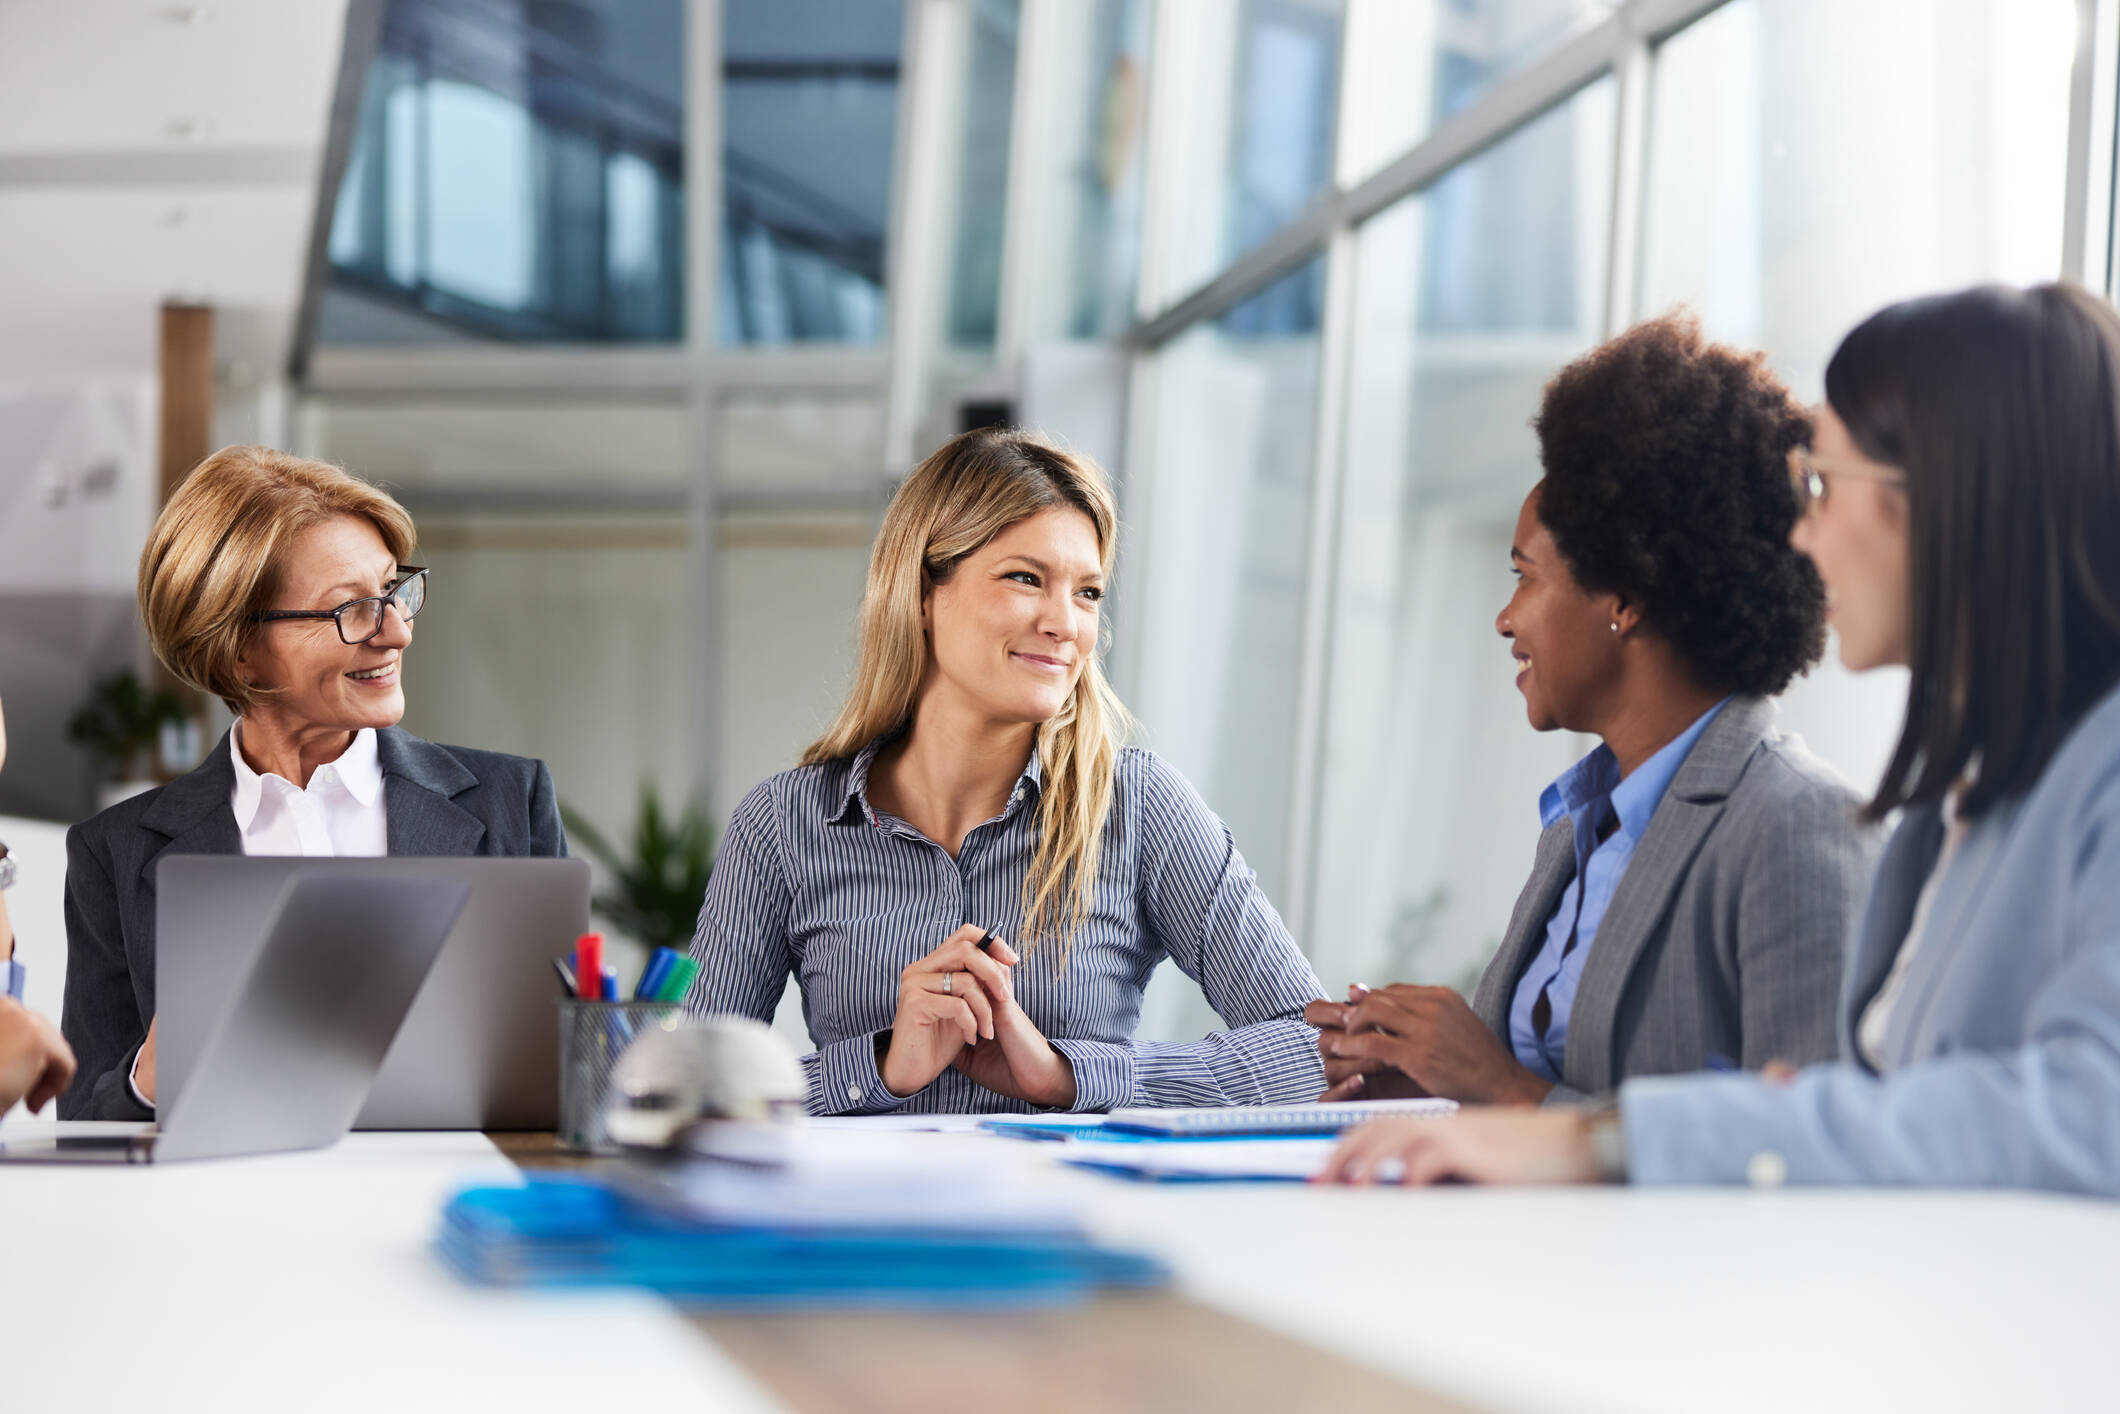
(303, 1020)
(479, 1048)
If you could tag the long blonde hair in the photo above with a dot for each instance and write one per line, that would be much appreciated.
(974, 487)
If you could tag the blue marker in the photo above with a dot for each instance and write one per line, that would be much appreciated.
(651, 976)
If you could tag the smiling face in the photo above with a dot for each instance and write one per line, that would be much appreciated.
(1567, 657)
(324, 683)
(1857, 536)
(1009, 634)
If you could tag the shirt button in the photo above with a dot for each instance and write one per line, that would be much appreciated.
(854, 1093)
(1767, 1169)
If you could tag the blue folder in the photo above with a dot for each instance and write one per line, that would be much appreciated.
(574, 1232)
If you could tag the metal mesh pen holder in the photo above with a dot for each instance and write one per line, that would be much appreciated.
(592, 1036)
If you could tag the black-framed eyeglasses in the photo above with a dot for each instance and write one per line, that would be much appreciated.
(1811, 482)
(359, 620)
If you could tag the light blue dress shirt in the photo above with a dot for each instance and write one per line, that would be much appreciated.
(1585, 793)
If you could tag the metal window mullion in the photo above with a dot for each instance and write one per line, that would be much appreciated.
(2087, 225)
(1335, 367)
(1163, 176)
(1657, 20)
(1027, 266)
(1633, 67)
(703, 198)
(935, 37)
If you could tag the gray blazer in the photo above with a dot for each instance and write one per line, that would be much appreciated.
(2002, 1057)
(437, 800)
(1727, 933)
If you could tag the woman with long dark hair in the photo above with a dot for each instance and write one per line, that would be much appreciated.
(1962, 496)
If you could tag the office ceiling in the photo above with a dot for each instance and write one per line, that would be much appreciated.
(152, 151)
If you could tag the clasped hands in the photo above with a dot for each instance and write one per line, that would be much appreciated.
(957, 1010)
(1405, 1041)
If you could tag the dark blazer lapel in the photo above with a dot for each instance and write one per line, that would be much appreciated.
(419, 781)
(195, 812)
(1551, 870)
(1676, 832)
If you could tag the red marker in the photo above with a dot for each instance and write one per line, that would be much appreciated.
(588, 965)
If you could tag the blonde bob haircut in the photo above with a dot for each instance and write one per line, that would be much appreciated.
(973, 488)
(213, 560)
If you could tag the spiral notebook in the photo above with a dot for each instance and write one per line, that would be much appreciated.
(1265, 1120)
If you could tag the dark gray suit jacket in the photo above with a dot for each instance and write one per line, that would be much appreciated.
(437, 800)
(1727, 934)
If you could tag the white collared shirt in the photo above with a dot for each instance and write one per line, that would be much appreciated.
(340, 812)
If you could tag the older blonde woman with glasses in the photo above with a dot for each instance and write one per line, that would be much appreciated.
(970, 875)
(279, 586)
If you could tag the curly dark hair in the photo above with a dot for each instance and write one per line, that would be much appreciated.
(1667, 482)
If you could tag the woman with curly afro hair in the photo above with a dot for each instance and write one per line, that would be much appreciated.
(1699, 871)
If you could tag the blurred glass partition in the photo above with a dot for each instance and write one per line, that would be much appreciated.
(1219, 569)
(809, 123)
(517, 173)
(1104, 168)
(1260, 83)
(1810, 163)
(1079, 217)
(985, 126)
(1469, 296)
(1413, 63)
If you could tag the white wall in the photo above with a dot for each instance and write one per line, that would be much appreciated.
(77, 493)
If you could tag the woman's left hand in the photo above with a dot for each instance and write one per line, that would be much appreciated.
(1478, 1146)
(1018, 1061)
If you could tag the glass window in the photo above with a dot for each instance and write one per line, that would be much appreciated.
(1260, 83)
(982, 175)
(517, 173)
(1220, 563)
(1413, 63)
(1090, 180)
(1772, 210)
(809, 118)
(1469, 295)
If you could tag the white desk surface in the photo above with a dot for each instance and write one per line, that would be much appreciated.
(1590, 1300)
(305, 1281)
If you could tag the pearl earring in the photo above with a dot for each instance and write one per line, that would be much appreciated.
(1615, 628)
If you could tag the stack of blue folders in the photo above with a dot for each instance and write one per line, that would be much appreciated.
(719, 1234)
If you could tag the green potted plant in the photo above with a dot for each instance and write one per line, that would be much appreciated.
(122, 724)
(658, 881)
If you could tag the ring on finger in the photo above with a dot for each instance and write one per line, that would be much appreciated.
(946, 989)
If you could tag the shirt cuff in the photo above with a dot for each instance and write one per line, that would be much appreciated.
(132, 1068)
(844, 1079)
(1104, 1074)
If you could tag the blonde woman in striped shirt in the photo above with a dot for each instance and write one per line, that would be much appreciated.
(976, 786)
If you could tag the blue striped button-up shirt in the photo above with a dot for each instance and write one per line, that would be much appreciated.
(813, 880)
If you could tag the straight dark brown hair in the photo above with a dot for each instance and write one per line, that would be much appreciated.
(2002, 406)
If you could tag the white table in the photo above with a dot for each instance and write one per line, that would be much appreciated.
(1590, 1300)
(304, 1281)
